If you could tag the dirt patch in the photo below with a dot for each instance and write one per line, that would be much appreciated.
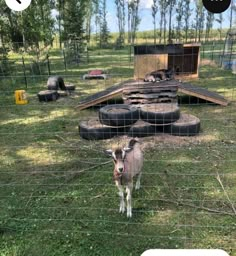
(94, 123)
(207, 62)
(118, 110)
(187, 118)
(161, 141)
(160, 107)
(140, 123)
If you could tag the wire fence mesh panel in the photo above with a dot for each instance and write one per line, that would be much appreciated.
(57, 193)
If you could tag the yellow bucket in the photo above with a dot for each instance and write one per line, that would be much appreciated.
(20, 97)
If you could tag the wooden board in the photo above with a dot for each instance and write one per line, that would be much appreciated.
(151, 89)
(202, 93)
(102, 96)
(149, 95)
(152, 101)
(146, 63)
(117, 90)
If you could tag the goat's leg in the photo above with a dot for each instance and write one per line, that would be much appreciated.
(121, 194)
(137, 186)
(129, 189)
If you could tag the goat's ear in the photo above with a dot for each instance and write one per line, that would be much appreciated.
(108, 152)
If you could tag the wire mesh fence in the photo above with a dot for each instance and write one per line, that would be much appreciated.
(57, 191)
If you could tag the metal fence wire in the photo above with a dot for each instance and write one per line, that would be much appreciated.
(57, 194)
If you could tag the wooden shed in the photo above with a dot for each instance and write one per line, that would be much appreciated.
(184, 58)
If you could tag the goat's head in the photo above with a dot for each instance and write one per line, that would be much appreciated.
(118, 156)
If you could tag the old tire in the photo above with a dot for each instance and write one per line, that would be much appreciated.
(56, 83)
(118, 115)
(94, 130)
(144, 129)
(187, 125)
(48, 95)
(161, 113)
(141, 129)
(70, 87)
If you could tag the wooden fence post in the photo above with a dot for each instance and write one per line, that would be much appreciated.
(64, 57)
(48, 62)
(213, 48)
(23, 65)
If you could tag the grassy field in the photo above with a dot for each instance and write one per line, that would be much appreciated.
(57, 195)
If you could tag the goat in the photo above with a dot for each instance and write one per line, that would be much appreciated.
(160, 75)
(128, 163)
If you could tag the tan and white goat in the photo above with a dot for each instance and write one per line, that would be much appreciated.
(128, 163)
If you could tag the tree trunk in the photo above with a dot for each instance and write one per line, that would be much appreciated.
(170, 18)
(164, 20)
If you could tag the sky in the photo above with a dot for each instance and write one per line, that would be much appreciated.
(146, 17)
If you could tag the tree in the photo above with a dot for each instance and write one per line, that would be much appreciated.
(186, 14)
(104, 31)
(179, 18)
(171, 5)
(199, 20)
(60, 6)
(209, 24)
(120, 12)
(154, 13)
(97, 21)
(10, 30)
(73, 20)
(219, 20)
(133, 19)
(28, 29)
(231, 15)
(4, 28)
(89, 13)
(163, 4)
(4, 63)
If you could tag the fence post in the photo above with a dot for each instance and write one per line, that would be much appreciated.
(203, 50)
(48, 62)
(213, 48)
(130, 52)
(23, 64)
(87, 56)
(64, 56)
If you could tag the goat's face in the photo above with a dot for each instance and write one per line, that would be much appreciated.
(118, 157)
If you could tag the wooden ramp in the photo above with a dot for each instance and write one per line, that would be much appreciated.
(119, 88)
(102, 96)
(202, 93)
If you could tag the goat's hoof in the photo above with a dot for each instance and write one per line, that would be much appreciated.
(137, 187)
(122, 209)
(129, 214)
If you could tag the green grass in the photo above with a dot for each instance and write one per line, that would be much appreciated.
(53, 203)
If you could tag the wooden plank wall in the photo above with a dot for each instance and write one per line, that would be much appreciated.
(146, 63)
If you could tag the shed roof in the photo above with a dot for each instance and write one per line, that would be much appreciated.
(162, 48)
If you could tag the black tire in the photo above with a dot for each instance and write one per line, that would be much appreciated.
(187, 125)
(118, 115)
(162, 128)
(56, 83)
(94, 130)
(161, 113)
(48, 95)
(62, 93)
(70, 87)
(141, 129)
(144, 129)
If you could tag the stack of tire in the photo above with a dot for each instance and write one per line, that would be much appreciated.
(55, 89)
(147, 120)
